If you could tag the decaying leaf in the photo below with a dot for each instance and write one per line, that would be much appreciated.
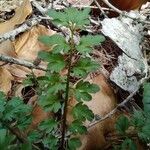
(5, 80)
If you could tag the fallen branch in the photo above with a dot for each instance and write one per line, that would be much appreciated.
(8, 59)
(24, 27)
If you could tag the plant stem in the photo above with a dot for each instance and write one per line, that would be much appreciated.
(64, 118)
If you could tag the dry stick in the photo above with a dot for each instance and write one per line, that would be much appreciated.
(102, 11)
(20, 62)
(24, 27)
(119, 105)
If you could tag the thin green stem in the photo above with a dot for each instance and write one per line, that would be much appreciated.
(62, 146)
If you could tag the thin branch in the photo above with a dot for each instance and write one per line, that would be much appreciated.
(20, 62)
(100, 8)
(24, 27)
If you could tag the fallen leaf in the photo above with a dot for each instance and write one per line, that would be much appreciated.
(7, 48)
(27, 45)
(26, 48)
(5, 80)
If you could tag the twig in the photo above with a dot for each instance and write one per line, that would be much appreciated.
(24, 63)
(24, 27)
(102, 11)
(111, 6)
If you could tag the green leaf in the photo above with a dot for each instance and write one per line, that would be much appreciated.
(56, 61)
(70, 15)
(57, 41)
(82, 90)
(82, 112)
(15, 108)
(24, 121)
(146, 97)
(128, 144)
(6, 140)
(34, 136)
(56, 84)
(82, 96)
(77, 127)
(50, 142)
(138, 119)
(52, 84)
(144, 134)
(49, 103)
(122, 124)
(3, 133)
(48, 125)
(88, 42)
(74, 143)
(85, 66)
(26, 146)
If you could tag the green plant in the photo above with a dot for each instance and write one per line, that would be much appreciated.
(138, 125)
(15, 116)
(54, 90)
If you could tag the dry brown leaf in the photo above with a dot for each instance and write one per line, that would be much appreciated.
(27, 45)
(21, 14)
(7, 48)
(102, 103)
(5, 80)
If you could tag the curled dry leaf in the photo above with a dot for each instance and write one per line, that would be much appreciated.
(102, 103)
(5, 80)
